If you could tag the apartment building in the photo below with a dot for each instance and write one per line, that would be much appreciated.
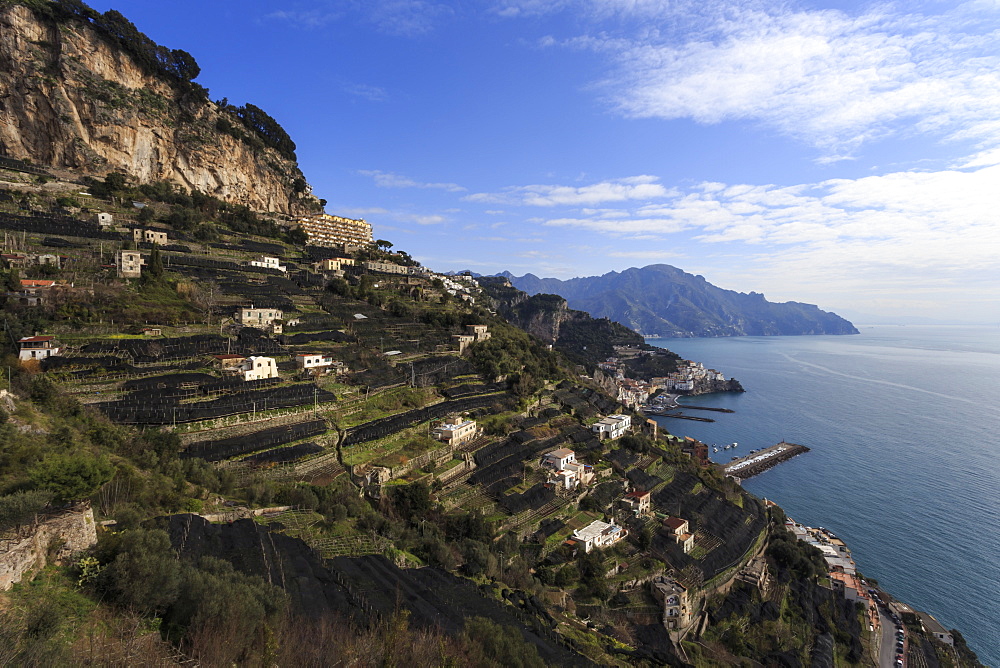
(326, 230)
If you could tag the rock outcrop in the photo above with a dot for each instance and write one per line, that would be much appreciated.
(71, 98)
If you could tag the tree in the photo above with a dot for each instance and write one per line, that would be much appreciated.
(502, 645)
(71, 477)
(115, 182)
(141, 570)
(382, 244)
(20, 508)
(154, 268)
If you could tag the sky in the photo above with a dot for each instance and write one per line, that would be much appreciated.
(840, 153)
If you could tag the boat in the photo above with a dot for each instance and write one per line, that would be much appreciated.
(727, 447)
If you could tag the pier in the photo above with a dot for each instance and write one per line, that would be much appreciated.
(758, 462)
(681, 416)
(706, 408)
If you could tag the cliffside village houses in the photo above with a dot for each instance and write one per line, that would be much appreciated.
(634, 393)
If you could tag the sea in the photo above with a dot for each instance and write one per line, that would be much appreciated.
(903, 423)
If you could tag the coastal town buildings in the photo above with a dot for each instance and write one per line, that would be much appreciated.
(326, 230)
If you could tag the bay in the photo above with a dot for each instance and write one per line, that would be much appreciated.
(904, 427)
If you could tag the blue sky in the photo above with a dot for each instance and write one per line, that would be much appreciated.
(840, 153)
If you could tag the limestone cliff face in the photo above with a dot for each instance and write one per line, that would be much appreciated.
(70, 100)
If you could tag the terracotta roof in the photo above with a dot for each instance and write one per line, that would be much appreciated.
(36, 283)
(674, 522)
(636, 495)
(36, 339)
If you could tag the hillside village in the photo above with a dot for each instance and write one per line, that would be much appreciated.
(290, 365)
(240, 435)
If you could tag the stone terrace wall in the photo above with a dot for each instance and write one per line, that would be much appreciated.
(57, 536)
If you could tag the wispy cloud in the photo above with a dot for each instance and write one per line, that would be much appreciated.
(390, 180)
(825, 77)
(403, 18)
(307, 18)
(364, 91)
(617, 190)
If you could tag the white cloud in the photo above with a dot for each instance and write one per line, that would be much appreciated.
(390, 180)
(616, 190)
(825, 77)
(912, 222)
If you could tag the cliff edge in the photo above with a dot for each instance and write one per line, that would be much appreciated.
(87, 91)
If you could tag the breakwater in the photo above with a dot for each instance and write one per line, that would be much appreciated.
(762, 460)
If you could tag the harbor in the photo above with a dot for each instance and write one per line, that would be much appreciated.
(666, 405)
(758, 461)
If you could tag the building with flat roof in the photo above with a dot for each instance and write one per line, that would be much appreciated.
(326, 230)
(613, 426)
(267, 262)
(37, 348)
(674, 598)
(130, 264)
(455, 431)
(598, 534)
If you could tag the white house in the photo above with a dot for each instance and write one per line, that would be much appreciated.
(455, 431)
(313, 360)
(266, 262)
(105, 219)
(558, 459)
(613, 426)
(258, 317)
(258, 368)
(598, 534)
(37, 348)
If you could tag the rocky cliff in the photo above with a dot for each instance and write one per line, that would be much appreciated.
(72, 97)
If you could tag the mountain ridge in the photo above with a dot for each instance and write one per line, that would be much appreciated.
(661, 300)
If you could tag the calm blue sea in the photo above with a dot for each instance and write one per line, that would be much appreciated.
(904, 426)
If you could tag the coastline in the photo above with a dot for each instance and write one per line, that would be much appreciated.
(894, 455)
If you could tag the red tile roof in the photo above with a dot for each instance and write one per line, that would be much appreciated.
(36, 339)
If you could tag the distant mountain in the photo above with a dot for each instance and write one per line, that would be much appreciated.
(660, 300)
